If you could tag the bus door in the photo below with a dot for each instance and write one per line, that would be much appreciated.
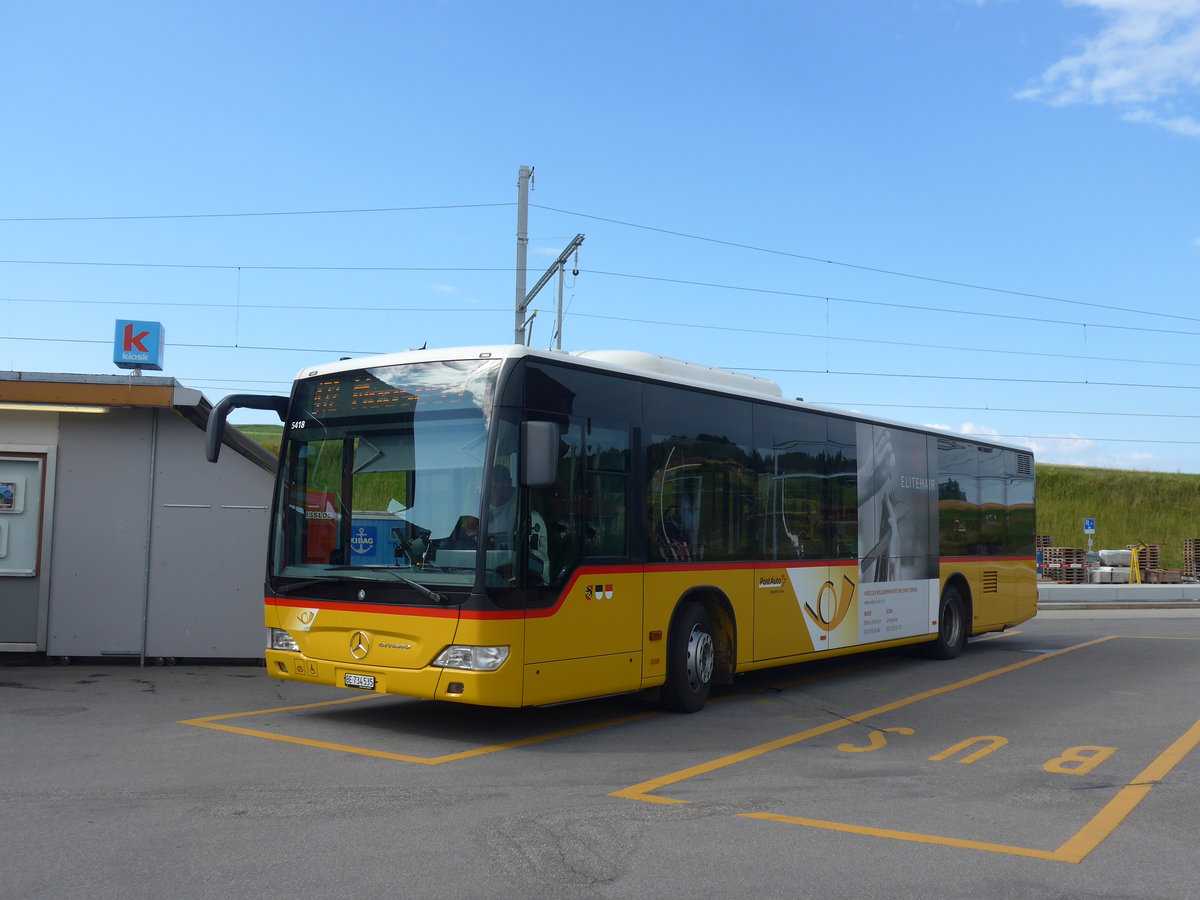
(583, 627)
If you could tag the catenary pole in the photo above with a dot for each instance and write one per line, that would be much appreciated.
(523, 177)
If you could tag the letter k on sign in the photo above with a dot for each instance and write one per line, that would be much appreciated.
(133, 341)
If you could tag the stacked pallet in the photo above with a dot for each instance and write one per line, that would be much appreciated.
(1066, 565)
(1042, 541)
(1149, 555)
(1191, 556)
(1163, 576)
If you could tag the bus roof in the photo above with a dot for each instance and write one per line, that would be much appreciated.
(634, 362)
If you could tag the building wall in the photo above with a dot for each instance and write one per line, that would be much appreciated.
(162, 561)
(208, 550)
(97, 556)
(23, 599)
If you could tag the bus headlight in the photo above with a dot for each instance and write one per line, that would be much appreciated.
(479, 659)
(281, 640)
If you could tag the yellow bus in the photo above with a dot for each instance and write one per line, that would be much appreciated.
(510, 527)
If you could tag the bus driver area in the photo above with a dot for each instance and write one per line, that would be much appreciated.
(1027, 750)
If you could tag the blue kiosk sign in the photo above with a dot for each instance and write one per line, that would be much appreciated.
(139, 345)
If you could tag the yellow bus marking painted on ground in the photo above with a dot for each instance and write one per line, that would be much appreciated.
(214, 722)
(997, 634)
(642, 791)
(1074, 850)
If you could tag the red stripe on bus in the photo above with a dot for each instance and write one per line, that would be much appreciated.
(596, 571)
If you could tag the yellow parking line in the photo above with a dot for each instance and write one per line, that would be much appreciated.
(1074, 850)
(1011, 632)
(214, 722)
(904, 835)
(642, 791)
(1114, 812)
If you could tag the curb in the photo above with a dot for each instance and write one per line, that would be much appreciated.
(1118, 604)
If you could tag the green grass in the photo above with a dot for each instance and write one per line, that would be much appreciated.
(1154, 507)
(269, 436)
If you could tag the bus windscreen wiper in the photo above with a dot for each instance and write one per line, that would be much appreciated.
(419, 588)
(309, 582)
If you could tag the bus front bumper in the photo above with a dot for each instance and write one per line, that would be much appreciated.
(501, 687)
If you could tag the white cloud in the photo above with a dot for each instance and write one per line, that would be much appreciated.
(1144, 61)
(1184, 125)
(1068, 450)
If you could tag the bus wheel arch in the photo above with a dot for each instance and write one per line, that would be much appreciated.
(700, 649)
(954, 620)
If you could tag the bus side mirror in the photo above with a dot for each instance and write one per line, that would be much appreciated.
(215, 432)
(539, 453)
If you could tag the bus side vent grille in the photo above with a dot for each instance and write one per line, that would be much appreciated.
(1024, 464)
(991, 581)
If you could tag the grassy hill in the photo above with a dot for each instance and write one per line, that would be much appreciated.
(267, 435)
(1154, 507)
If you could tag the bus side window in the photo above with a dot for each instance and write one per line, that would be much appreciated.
(556, 510)
(607, 464)
(583, 514)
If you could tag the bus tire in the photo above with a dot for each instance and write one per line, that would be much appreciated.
(952, 626)
(691, 659)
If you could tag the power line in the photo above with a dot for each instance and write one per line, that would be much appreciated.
(244, 215)
(667, 231)
(290, 307)
(726, 328)
(987, 378)
(139, 265)
(656, 278)
(861, 268)
(984, 378)
(340, 350)
(826, 337)
(1075, 437)
(1057, 412)
(881, 303)
(671, 324)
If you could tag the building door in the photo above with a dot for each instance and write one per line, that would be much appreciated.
(24, 542)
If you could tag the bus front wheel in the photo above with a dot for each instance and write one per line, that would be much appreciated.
(952, 626)
(691, 657)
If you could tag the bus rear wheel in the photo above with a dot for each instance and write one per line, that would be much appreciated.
(691, 658)
(952, 626)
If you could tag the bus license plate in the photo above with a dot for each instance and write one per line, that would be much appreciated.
(366, 682)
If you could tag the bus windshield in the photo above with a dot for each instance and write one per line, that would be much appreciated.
(382, 472)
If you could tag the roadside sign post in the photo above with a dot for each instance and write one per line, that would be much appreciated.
(1089, 528)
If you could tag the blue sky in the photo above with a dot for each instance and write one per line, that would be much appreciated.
(976, 215)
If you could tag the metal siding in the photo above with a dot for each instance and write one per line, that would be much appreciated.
(100, 530)
(207, 558)
(206, 565)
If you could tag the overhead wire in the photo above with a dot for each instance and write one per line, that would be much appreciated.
(294, 307)
(895, 273)
(845, 404)
(224, 267)
(863, 268)
(243, 215)
(734, 244)
(882, 303)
